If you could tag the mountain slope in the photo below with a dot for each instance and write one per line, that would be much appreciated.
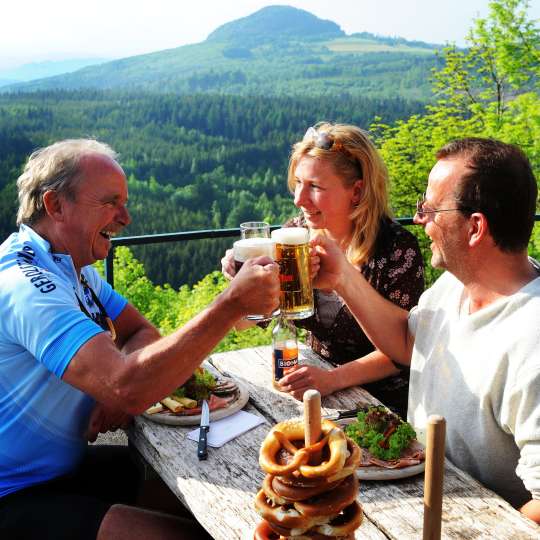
(275, 23)
(276, 51)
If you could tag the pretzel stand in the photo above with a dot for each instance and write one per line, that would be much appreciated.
(310, 488)
(434, 476)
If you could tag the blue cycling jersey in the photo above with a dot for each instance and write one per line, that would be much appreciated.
(42, 418)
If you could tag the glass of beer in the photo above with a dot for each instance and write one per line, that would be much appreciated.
(292, 255)
(255, 229)
(247, 248)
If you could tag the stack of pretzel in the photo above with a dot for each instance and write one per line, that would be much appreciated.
(309, 492)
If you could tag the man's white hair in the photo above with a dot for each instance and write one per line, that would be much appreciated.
(54, 168)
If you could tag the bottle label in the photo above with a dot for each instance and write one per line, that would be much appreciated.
(285, 360)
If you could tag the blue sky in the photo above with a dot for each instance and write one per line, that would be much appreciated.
(37, 30)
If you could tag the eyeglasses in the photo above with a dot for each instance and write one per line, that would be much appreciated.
(325, 141)
(421, 212)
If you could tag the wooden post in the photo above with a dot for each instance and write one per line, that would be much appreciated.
(433, 478)
(312, 421)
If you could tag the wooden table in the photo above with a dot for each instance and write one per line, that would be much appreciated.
(220, 491)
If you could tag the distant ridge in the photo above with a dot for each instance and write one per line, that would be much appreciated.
(5, 82)
(49, 68)
(276, 51)
(275, 23)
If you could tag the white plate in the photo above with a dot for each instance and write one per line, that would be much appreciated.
(374, 472)
(380, 473)
(237, 403)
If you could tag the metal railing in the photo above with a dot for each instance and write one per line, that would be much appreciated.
(183, 236)
(189, 235)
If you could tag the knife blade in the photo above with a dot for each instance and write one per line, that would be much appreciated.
(351, 413)
(202, 452)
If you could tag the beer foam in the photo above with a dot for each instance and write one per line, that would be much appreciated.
(247, 248)
(292, 236)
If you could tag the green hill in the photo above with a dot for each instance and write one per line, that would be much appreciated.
(277, 51)
(276, 23)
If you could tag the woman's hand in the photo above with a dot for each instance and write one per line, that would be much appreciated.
(227, 265)
(305, 377)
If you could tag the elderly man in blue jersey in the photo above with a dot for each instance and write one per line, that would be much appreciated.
(77, 359)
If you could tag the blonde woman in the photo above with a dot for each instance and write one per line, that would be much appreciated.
(339, 182)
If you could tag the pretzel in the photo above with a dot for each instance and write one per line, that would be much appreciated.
(308, 493)
(344, 524)
(297, 480)
(282, 435)
(300, 515)
(263, 531)
(286, 516)
(282, 533)
(291, 492)
(332, 502)
(351, 463)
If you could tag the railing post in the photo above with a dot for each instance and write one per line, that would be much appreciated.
(109, 267)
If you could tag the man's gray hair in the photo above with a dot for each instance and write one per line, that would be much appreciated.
(54, 168)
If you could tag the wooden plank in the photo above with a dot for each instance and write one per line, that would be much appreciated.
(220, 491)
(396, 507)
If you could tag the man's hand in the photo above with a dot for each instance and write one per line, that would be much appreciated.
(328, 261)
(227, 265)
(105, 419)
(305, 377)
(255, 289)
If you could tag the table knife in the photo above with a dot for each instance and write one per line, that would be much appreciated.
(202, 452)
(338, 415)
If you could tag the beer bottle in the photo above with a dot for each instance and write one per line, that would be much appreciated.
(285, 349)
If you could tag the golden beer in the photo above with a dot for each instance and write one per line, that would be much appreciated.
(292, 255)
(248, 248)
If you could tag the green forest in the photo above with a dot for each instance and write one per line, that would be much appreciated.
(193, 162)
(197, 161)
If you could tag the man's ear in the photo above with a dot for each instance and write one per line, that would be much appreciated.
(478, 228)
(53, 205)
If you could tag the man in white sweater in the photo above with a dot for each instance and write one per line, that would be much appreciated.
(473, 341)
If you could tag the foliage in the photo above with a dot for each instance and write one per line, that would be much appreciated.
(195, 162)
(169, 309)
(486, 91)
(503, 59)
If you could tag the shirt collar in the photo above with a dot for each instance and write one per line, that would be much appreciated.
(62, 261)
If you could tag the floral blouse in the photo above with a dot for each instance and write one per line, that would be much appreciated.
(395, 270)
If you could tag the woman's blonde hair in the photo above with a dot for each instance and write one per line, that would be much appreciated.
(54, 168)
(353, 156)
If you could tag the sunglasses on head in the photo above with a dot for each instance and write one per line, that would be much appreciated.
(325, 141)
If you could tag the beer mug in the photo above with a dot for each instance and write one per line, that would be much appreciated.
(254, 229)
(292, 255)
(247, 248)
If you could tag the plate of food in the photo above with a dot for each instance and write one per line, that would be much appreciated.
(183, 406)
(390, 449)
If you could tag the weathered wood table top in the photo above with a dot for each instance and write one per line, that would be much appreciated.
(220, 491)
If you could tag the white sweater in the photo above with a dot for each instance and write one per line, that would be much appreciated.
(482, 373)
